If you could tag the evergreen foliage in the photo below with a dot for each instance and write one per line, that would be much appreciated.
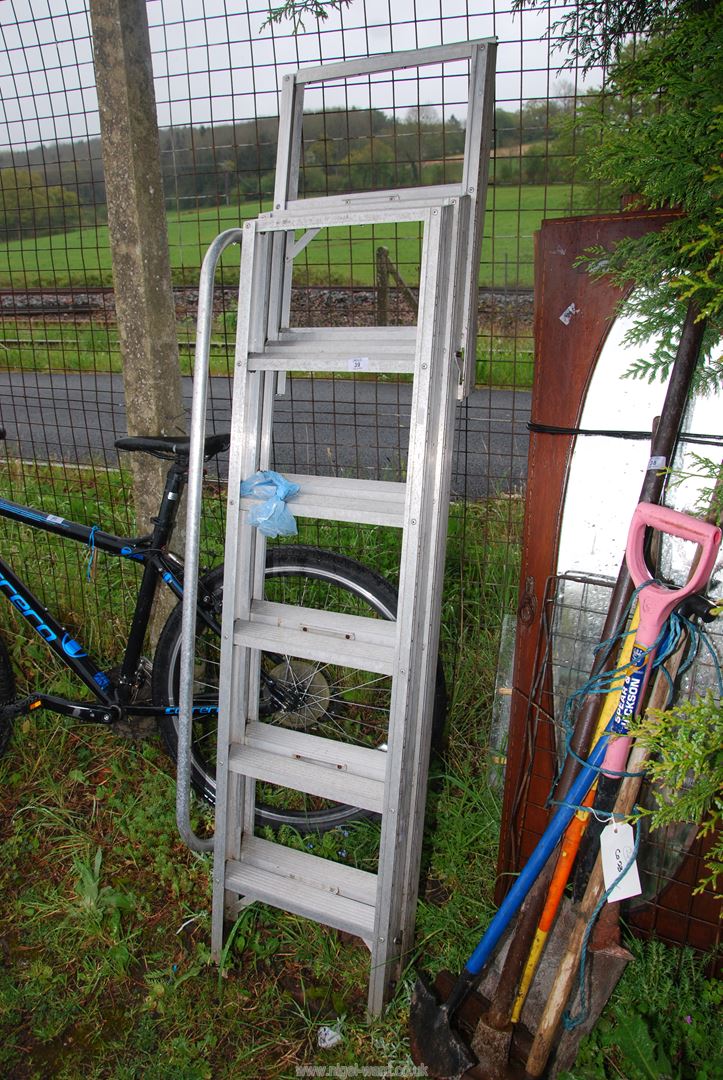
(660, 143)
(296, 10)
(654, 136)
(687, 765)
(594, 31)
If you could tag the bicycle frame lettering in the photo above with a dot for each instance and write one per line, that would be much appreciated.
(37, 622)
(156, 565)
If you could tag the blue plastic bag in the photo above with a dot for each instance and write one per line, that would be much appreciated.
(272, 517)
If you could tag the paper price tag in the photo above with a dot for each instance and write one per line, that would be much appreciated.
(358, 363)
(617, 844)
(569, 314)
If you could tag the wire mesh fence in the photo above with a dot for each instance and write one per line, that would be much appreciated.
(218, 75)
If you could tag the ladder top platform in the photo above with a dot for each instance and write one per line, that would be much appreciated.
(301, 214)
(396, 61)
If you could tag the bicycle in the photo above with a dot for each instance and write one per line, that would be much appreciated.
(295, 693)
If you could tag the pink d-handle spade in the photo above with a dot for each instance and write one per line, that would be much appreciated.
(656, 602)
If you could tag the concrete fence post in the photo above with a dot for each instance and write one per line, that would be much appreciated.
(138, 236)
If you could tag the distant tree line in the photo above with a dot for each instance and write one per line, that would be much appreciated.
(31, 207)
(55, 187)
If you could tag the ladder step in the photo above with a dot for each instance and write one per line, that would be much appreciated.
(296, 881)
(335, 498)
(399, 339)
(353, 641)
(356, 349)
(375, 363)
(323, 767)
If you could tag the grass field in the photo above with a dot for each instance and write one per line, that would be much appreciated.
(340, 256)
(106, 915)
(106, 972)
(82, 256)
(63, 346)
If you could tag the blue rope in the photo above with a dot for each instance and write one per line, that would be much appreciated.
(569, 1021)
(90, 557)
(703, 638)
(664, 646)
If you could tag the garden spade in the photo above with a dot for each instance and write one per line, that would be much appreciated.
(438, 1046)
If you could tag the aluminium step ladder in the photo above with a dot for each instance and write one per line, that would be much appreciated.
(389, 780)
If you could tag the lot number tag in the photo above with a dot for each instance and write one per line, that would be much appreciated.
(617, 844)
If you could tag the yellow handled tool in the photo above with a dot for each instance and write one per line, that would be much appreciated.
(573, 834)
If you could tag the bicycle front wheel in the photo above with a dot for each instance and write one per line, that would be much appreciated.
(323, 699)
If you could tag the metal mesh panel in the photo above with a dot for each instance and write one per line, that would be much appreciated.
(671, 860)
(218, 74)
(217, 79)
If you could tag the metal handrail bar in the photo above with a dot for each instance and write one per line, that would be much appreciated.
(193, 529)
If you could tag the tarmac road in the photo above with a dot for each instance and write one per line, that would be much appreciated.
(321, 425)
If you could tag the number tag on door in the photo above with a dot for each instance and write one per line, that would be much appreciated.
(617, 844)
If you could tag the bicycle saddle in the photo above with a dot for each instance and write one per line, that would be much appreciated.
(170, 446)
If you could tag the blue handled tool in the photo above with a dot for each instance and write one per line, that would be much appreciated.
(438, 1046)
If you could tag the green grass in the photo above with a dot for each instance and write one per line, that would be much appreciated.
(508, 362)
(60, 346)
(88, 347)
(82, 256)
(340, 256)
(105, 914)
(663, 1021)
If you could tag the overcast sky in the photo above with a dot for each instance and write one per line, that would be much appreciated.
(214, 63)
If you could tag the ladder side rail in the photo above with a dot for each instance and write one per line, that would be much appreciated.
(231, 787)
(478, 143)
(193, 523)
(396, 61)
(234, 665)
(286, 189)
(254, 454)
(250, 552)
(252, 555)
(443, 406)
(429, 442)
(288, 150)
(267, 388)
(410, 710)
(235, 797)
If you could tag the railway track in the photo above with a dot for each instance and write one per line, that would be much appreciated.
(315, 304)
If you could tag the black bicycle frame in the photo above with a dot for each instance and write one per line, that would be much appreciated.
(113, 695)
(148, 550)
